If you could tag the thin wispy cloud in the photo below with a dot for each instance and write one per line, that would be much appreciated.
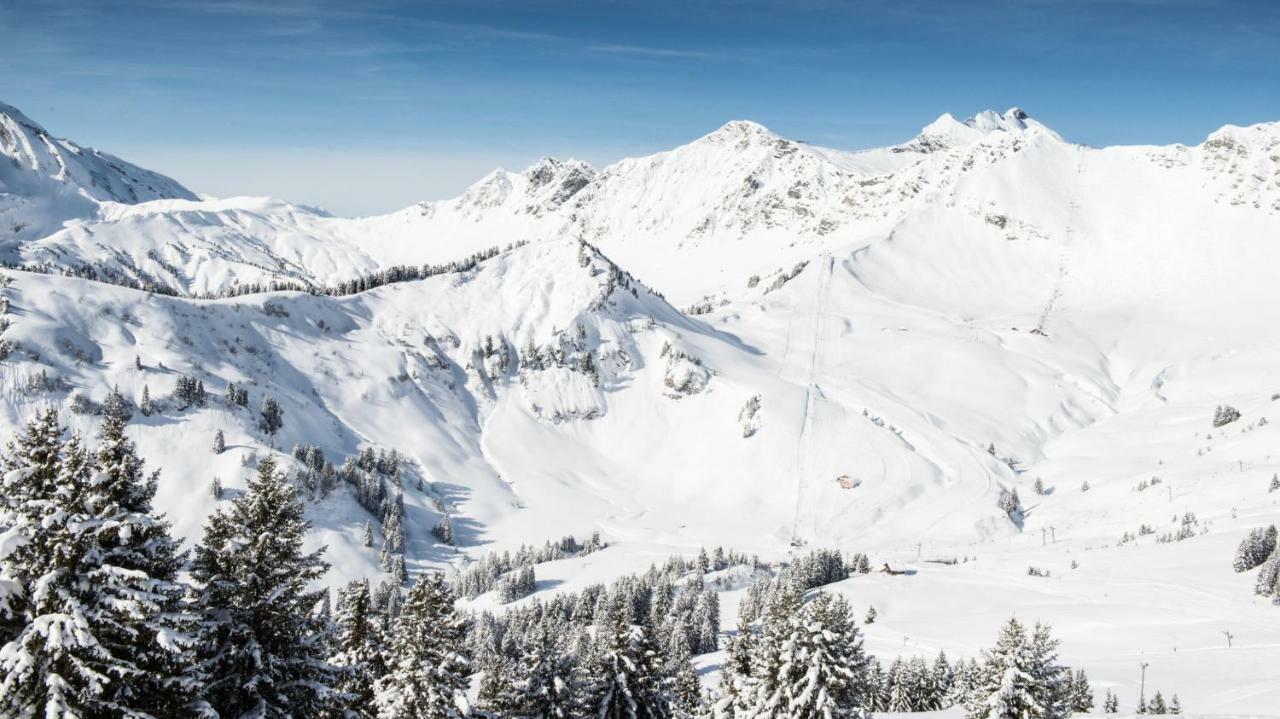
(656, 52)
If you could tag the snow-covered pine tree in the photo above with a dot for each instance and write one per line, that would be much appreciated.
(1020, 677)
(1255, 548)
(736, 682)
(871, 616)
(1081, 693)
(399, 571)
(392, 537)
(1225, 414)
(1039, 486)
(822, 665)
(683, 686)
(497, 691)
(1268, 582)
(443, 530)
(1157, 705)
(762, 688)
(943, 676)
(270, 416)
(900, 687)
(1054, 680)
(366, 535)
(144, 405)
(546, 678)
(627, 673)
(1275, 484)
(358, 643)
(1111, 703)
(1175, 706)
(876, 696)
(263, 647)
(90, 605)
(963, 683)
(115, 406)
(219, 442)
(706, 621)
(427, 673)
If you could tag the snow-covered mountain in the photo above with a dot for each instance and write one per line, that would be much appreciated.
(45, 180)
(746, 341)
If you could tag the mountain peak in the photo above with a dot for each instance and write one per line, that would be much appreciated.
(740, 131)
(947, 131)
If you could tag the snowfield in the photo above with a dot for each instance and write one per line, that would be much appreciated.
(745, 342)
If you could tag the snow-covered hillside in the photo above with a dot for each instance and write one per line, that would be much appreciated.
(746, 341)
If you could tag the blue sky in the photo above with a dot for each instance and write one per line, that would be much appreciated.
(367, 107)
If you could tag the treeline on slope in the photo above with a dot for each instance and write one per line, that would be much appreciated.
(513, 575)
(396, 273)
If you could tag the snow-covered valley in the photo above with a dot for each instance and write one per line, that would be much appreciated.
(746, 342)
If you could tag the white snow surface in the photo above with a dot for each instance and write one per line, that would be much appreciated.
(897, 354)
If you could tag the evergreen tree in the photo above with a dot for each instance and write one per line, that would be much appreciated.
(871, 616)
(546, 682)
(943, 677)
(357, 644)
(876, 696)
(1111, 704)
(90, 605)
(237, 396)
(900, 687)
(706, 621)
(964, 681)
(427, 675)
(1175, 706)
(270, 416)
(1081, 694)
(736, 681)
(1255, 548)
(627, 672)
(1268, 582)
(366, 536)
(820, 664)
(392, 538)
(762, 688)
(116, 407)
(1275, 484)
(263, 645)
(1053, 680)
(684, 688)
(1157, 705)
(497, 692)
(145, 405)
(219, 442)
(1020, 677)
